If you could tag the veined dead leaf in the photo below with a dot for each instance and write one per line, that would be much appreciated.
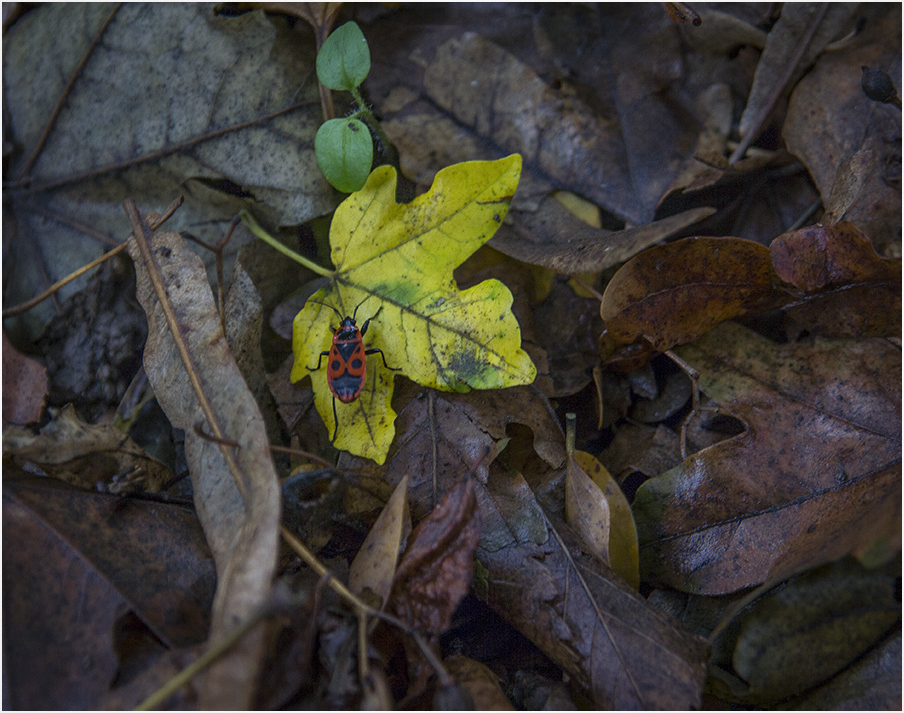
(196, 380)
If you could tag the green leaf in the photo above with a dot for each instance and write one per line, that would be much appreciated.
(398, 260)
(345, 152)
(344, 60)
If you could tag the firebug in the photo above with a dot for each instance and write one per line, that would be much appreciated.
(346, 367)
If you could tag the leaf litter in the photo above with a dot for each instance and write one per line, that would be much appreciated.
(661, 105)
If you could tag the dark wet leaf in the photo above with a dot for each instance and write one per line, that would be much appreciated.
(672, 294)
(816, 474)
(74, 564)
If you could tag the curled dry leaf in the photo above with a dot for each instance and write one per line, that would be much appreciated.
(374, 566)
(435, 571)
(852, 291)
(791, 47)
(622, 541)
(586, 510)
(481, 682)
(87, 455)
(673, 293)
(196, 380)
(816, 475)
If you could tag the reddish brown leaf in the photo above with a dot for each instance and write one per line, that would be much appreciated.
(854, 291)
(448, 435)
(75, 564)
(435, 571)
(816, 475)
(820, 256)
(673, 293)
(24, 387)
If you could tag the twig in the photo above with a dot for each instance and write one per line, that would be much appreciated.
(25, 306)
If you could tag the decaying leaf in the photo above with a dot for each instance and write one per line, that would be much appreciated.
(374, 567)
(851, 291)
(600, 631)
(79, 566)
(397, 260)
(816, 475)
(673, 293)
(803, 633)
(800, 34)
(87, 455)
(829, 121)
(173, 98)
(450, 435)
(24, 387)
(435, 571)
(196, 381)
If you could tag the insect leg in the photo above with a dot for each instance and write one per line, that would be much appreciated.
(336, 422)
(322, 354)
(380, 352)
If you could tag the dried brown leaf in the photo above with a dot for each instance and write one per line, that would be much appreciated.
(583, 616)
(196, 380)
(76, 566)
(586, 510)
(374, 566)
(673, 293)
(622, 542)
(435, 571)
(852, 291)
(87, 455)
(24, 386)
(829, 121)
(816, 475)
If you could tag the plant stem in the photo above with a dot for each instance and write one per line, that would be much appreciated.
(253, 226)
(371, 120)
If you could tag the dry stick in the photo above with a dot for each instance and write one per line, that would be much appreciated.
(199, 430)
(153, 156)
(362, 609)
(779, 87)
(25, 306)
(142, 237)
(62, 100)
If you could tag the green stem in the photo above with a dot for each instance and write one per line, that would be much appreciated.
(368, 116)
(253, 226)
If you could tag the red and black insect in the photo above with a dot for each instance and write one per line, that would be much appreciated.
(347, 365)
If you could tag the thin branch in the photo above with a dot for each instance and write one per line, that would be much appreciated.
(25, 306)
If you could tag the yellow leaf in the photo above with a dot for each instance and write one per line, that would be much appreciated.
(375, 564)
(395, 262)
(623, 549)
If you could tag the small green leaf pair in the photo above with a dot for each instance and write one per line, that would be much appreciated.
(344, 147)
